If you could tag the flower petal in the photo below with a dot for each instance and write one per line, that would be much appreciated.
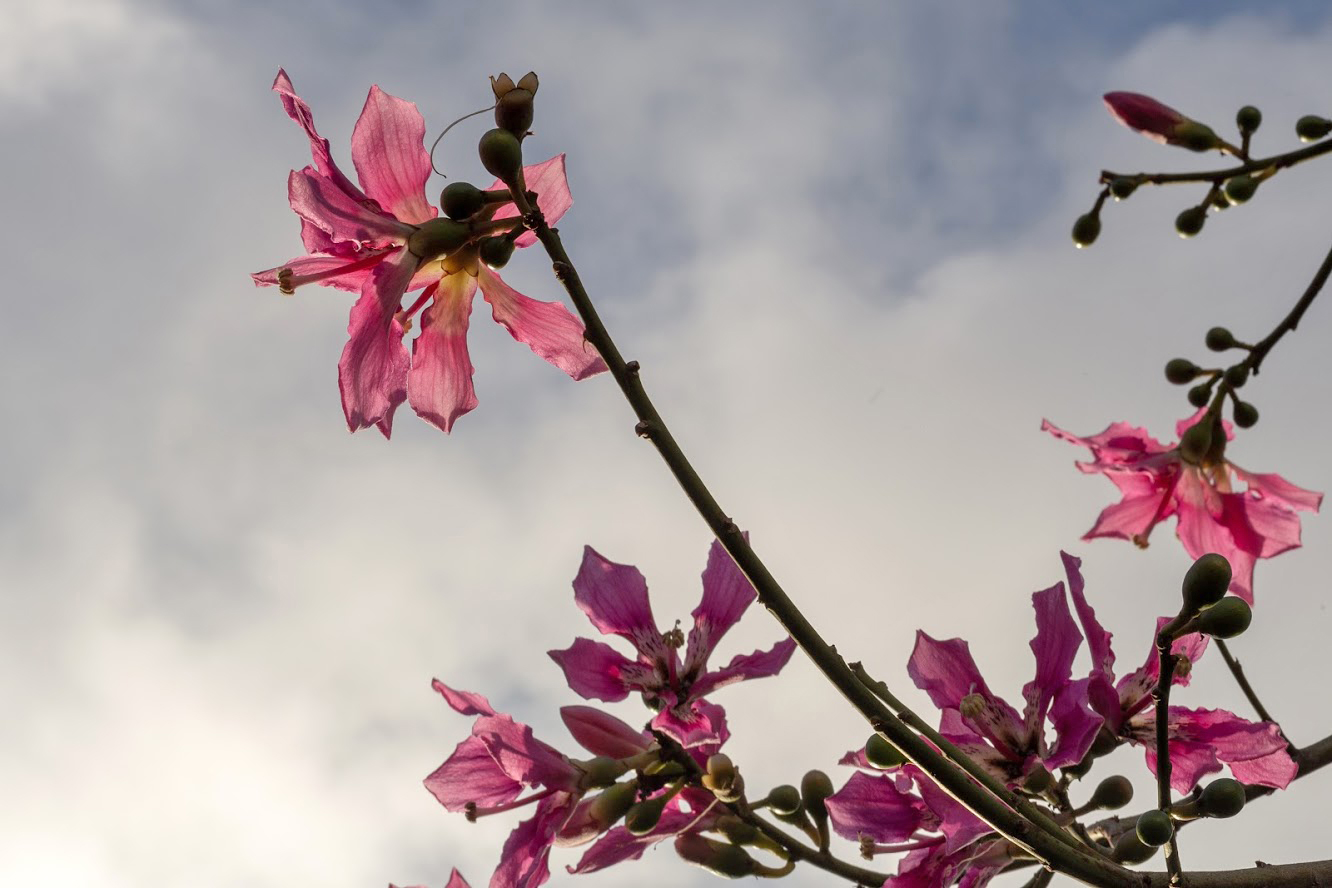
(1075, 725)
(945, 671)
(759, 664)
(603, 734)
(440, 384)
(619, 845)
(325, 269)
(597, 671)
(547, 328)
(1101, 679)
(1055, 645)
(471, 776)
(615, 598)
(1277, 490)
(389, 153)
(522, 756)
(524, 859)
(727, 593)
(298, 111)
(324, 206)
(463, 702)
(1255, 751)
(547, 179)
(372, 373)
(874, 807)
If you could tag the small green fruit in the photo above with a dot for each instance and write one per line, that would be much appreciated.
(1225, 619)
(1240, 188)
(1245, 414)
(882, 754)
(1311, 127)
(1222, 797)
(1086, 229)
(501, 154)
(1237, 375)
(1181, 370)
(461, 200)
(1129, 849)
(1206, 581)
(1155, 828)
(1191, 221)
(1219, 339)
(1112, 793)
(1200, 394)
(784, 800)
(816, 786)
(1248, 119)
(496, 251)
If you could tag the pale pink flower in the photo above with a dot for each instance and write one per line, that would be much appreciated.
(1258, 521)
(357, 240)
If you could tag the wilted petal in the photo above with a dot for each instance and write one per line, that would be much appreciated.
(597, 671)
(1101, 693)
(523, 757)
(326, 207)
(372, 373)
(523, 861)
(463, 702)
(547, 328)
(615, 598)
(1075, 725)
(759, 664)
(727, 593)
(471, 776)
(603, 734)
(440, 384)
(1278, 491)
(1055, 645)
(874, 807)
(298, 111)
(390, 157)
(547, 179)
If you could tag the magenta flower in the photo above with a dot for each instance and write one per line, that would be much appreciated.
(1200, 740)
(377, 242)
(488, 771)
(1257, 522)
(1159, 122)
(615, 598)
(987, 728)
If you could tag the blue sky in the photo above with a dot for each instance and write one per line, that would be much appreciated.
(835, 236)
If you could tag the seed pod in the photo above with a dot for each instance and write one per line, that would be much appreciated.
(1240, 188)
(1226, 619)
(643, 817)
(1237, 375)
(1122, 186)
(1131, 850)
(1155, 828)
(1206, 582)
(721, 858)
(1200, 394)
(496, 251)
(784, 800)
(816, 786)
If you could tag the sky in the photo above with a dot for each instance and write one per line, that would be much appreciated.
(836, 238)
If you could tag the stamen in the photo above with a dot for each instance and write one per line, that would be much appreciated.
(284, 276)
(868, 847)
(1140, 539)
(472, 812)
(288, 281)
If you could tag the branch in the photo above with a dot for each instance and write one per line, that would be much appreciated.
(1276, 162)
(1238, 671)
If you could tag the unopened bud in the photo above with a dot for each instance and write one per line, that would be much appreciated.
(1160, 122)
(784, 800)
(461, 200)
(436, 238)
(496, 251)
(882, 754)
(816, 786)
(1038, 780)
(1227, 618)
(1219, 339)
(1195, 136)
(1122, 186)
(501, 154)
(1155, 827)
(610, 805)
(1311, 127)
(1245, 414)
(736, 830)
(1248, 119)
(1222, 797)
(1240, 188)
(1206, 581)
(1129, 849)
(721, 858)
(1086, 229)
(1237, 375)
(1195, 442)
(1181, 370)
(1191, 221)
(1112, 793)
(1200, 394)
(643, 817)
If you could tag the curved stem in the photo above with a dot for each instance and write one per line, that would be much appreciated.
(1238, 671)
(1058, 849)
(824, 860)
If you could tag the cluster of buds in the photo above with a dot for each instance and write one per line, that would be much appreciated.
(1216, 385)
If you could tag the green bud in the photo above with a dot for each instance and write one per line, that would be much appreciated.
(721, 858)
(1206, 582)
(1248, 119)
(461, 200)
(501, 154)
(611, 805)
(1181, 370)
(1129, 849)
(1122, 186)
(1222, 797)
(436, 238)
(1200, 394)
(643, 817)
(1219, 339)
(1240, 188)
(1245, 414)
(1195, 442)
(736, 830)
(1086, 229)
(1155, 828)
(882, 754)
(784, 800)
(1311, 127)
(1227, 618)
(496, 251)
(513, 102)
(1112, 793)
(816, 786)
(1195, 136)
(1191, 221)
(1237, 375)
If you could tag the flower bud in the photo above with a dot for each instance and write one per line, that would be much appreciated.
(882, 754)
(501, 155)
(784, 800)
(1155, 828)
(1248, 119)
(1237, 375)
(609, 806)
(461, 200)
(816, 786)
(1191, 221)
(720, 858)
(1311, 127)
(1195, 442)
(1219, 339)
(643, 817)
(1240, 188)
(1122, 186)
(1160, 122)
(1038, 780)
(1227, 618)
(1206, 581)
(736, 830)
(1086, 229)
(1200, 394)
(1129, 849)
(1222, 797)
(1181, 370)
(1112, 793)
(496, 251)
(1245, 414)
(601, 770)
(436, 238)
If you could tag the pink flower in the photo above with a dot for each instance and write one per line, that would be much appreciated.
(1257, 522)
(488, 771)
(1200, 739)
(385, 241)
(615, 598)
(987, 728)
(1159, 122)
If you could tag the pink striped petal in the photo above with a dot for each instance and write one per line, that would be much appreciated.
(547, 328)
(319, 203)
(595, 670)
(615, 598)
(298, 111)
(759, 664)
(440, 384)
(372, 373)
(1055, 645)
(463, 702)
(601, 733)
(727, 593)
(552, 189)
(471, 776)
(874, 806)
(390, 157)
